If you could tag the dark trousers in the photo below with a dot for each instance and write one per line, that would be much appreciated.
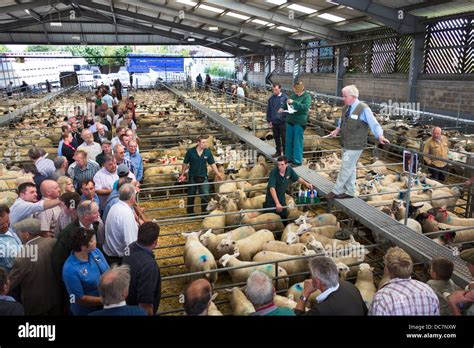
(436, 174)
(279, 134)
(203, 190)
(113, 259)
(283, 214)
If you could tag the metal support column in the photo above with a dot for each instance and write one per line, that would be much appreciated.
(267, 69)
(341, 54)
(296, 66)
(416, 61)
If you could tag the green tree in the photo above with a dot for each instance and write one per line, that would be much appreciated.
(121, 53)
(40, 48)
(4, 49)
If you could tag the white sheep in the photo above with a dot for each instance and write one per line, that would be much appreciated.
(197, 257)
(212, 308)
(296, 290)
(250, 203)
(214, 221)
(291, 266)
(282, 247)
(365, 282)
(282, 301)
(268, 221)
(413, 225)
(241, 275)
(211, 240)
(318, 221)
(240, 304)
(248, 246)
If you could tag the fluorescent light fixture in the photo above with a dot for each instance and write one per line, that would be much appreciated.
(290, 30)
(259, 21)
(27, 11)
(301, 8)
(187, 2)
(277, 2)
(191, 39)
(331, 17)
(332, 2)
(243, 48)
(213, 28)
(210, 8)
(56, 24)
(75, 37)
(237, 15)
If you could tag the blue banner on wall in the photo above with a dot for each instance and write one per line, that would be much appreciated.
(142, 64)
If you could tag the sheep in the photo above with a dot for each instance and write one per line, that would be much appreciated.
(440, 198)
(282, 247)
(291, 227)
(215, 223)
(343, 270)
(250, 203)
(365, 283)
(258, 189)
(446, 217)
(268, 221)
(228, 205)
(240, 275)
(318, 243)
(248, 246)
(326, 231)
(379, 167)
(211, 240)
(318, 221)
(212, 308)
(240, 304)
(7, 198)
(291, 266)
(413, 225)
(197, 257)
(260, 170)
(282, 301)
(296, 290)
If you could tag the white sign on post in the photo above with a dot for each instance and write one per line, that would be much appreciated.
(410, 158)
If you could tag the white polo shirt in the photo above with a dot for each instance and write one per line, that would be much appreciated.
(121, 229)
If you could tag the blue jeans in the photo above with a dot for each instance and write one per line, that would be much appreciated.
(203, 192)
(294, 143)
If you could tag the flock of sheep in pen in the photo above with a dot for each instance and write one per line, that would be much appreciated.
(234, 234)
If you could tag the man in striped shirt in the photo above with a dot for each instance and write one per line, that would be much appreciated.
(84, 169)
(403, 295)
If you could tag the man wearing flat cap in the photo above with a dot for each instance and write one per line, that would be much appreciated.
(461, 301)
(32, 270)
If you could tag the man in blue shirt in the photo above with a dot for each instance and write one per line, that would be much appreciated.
(136, 159)
(354, 126)
(10, 243)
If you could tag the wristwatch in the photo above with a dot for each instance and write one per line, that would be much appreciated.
(302, 298)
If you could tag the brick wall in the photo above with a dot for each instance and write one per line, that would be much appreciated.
(256, 77)
(439, 94)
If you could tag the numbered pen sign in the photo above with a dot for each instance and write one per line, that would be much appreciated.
(410, 159)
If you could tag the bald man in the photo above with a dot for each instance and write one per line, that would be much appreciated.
(437, 146)
(49, 217)
(198, 297)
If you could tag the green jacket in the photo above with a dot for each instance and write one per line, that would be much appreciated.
(301, 104)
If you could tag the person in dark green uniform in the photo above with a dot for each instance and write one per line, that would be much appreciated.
(278, 181)
(296, 121)
(196, 159)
